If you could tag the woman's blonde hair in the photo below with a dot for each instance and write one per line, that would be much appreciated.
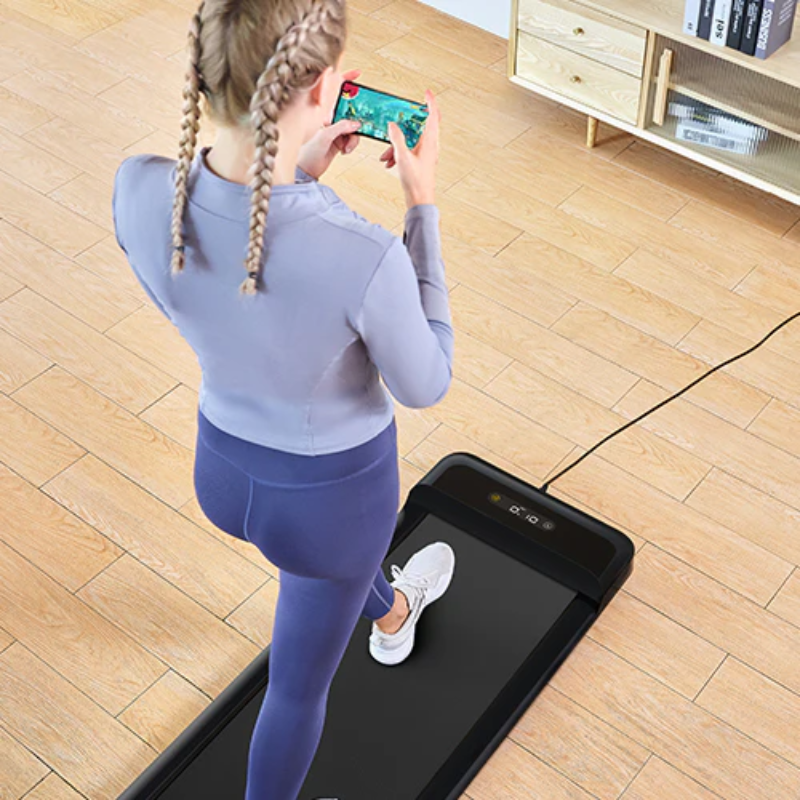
(247, 58)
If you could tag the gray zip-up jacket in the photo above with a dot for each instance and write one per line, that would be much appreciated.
(296, 368)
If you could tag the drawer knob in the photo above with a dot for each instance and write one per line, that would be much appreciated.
(579, 31)
(575, 79)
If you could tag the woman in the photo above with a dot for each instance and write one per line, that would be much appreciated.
(297, 442)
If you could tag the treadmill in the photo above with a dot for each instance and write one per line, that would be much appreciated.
(532, 574)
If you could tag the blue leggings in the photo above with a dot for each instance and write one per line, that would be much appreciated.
(327, 523)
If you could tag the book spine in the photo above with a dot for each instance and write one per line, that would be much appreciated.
(776, 26)
(752, 20)
(691, 18)
(722, 19)
(706, 18)
(765, 29)
(737, 24)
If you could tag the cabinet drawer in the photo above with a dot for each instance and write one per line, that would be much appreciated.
(582, 79)
(590, 33)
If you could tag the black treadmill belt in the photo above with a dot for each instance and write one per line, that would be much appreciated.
(531, 575)
(468, 645)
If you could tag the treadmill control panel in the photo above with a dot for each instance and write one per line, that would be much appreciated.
(538, 516)
(524, 513)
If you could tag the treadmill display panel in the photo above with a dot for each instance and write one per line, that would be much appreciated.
(518, 510)
(569, 535)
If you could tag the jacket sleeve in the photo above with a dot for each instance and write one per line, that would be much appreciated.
(119, 178)
(405, 319)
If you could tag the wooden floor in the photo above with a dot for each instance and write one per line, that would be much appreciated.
(586, 287)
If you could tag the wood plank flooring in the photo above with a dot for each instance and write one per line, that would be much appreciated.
(586, 286)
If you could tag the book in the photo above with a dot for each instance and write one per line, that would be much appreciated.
(752, 19)
(777, 21)
(717, 139)
(720, 22)
(706, 18)
(704, 125)
(737, 24)
(691, 19)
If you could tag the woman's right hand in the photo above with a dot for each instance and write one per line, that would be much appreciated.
(418, 166)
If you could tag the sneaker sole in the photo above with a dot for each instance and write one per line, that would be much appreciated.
(391, 659)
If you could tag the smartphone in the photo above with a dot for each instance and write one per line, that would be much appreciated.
(375, 110)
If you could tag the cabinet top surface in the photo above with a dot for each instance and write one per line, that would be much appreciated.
(666, 17)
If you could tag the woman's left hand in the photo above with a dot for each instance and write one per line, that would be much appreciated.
(318, 153)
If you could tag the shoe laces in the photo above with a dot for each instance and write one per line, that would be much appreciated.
(415, 579)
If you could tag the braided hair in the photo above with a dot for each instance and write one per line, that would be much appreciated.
(189, 128)
(229, 42)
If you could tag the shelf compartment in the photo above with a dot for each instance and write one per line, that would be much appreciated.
(748, 95)
(776, 160)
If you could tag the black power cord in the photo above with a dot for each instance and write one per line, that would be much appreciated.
(547, 483)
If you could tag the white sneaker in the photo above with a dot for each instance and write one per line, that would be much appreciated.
(424, 579)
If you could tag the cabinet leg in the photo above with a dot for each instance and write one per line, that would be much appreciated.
(591, 133)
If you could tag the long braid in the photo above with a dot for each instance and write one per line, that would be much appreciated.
(273, 91)
(189, 128)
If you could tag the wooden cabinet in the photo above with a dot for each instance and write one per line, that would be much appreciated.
(577, 28)
(628, 63)
(578, 77)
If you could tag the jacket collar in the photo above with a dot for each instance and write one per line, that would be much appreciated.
(232, 200)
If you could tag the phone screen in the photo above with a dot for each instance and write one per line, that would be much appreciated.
(375, 110)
